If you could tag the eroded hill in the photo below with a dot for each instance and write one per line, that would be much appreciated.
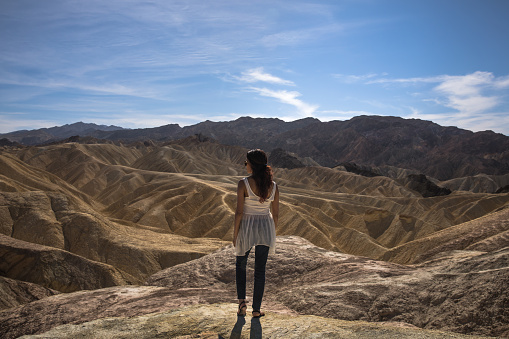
(188, 188)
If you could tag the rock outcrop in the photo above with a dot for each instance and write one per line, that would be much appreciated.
(420, 183)
(462, 292)
(282, 159)
(365, 171)
(504, 189)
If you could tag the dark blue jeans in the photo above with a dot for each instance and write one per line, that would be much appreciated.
(261, 254)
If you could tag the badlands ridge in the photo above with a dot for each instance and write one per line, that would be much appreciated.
(117, 237)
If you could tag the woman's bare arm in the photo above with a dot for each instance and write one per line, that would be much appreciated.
(241, 188)
(275, 206)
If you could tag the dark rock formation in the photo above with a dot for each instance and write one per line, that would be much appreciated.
(7, 142)
(421, 184)
(14, 292)
(504, 189)
(282, 159)
(365, 171)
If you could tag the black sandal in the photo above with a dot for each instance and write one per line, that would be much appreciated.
(260, 314)
(240, 312)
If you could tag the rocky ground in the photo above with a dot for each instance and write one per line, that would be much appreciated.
(310, 292)
(218, 321)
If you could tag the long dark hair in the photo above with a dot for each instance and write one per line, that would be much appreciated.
(262, 173)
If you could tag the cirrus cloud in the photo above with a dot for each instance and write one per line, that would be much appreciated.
(473, 93)
(475, 101)
(284, 96)
(258, 74)
(466, 93)
(288, 97)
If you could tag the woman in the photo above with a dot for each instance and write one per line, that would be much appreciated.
(255, 225)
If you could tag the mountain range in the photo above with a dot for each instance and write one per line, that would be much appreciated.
(440, 152)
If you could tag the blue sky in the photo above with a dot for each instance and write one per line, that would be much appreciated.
(141, 64)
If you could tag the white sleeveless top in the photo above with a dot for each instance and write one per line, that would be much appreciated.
(257, 226)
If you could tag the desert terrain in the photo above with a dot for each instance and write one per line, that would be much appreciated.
(128, 240)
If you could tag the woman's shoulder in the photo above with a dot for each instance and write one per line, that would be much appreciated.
(274, 187)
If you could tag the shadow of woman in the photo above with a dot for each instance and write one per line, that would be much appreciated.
(254, 333)
(256, 329)
(237, 329)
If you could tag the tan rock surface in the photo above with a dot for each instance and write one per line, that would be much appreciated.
(487, 233)
(333, 209)
(53, 219)
(56, 269)
(43, 209)
(191, 156)
(217, 321)
(481, 183)
(322, 205)
(339, 181)
(18, 176)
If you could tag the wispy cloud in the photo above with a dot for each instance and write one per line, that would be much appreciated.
(300, 36)
(474, 97)
(465, 93)
(98, 89)
(288, 97)
(379, 80)
(502, 82)
(258, 74)
(350, 78)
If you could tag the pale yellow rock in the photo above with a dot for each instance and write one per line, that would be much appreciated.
(218, 321)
